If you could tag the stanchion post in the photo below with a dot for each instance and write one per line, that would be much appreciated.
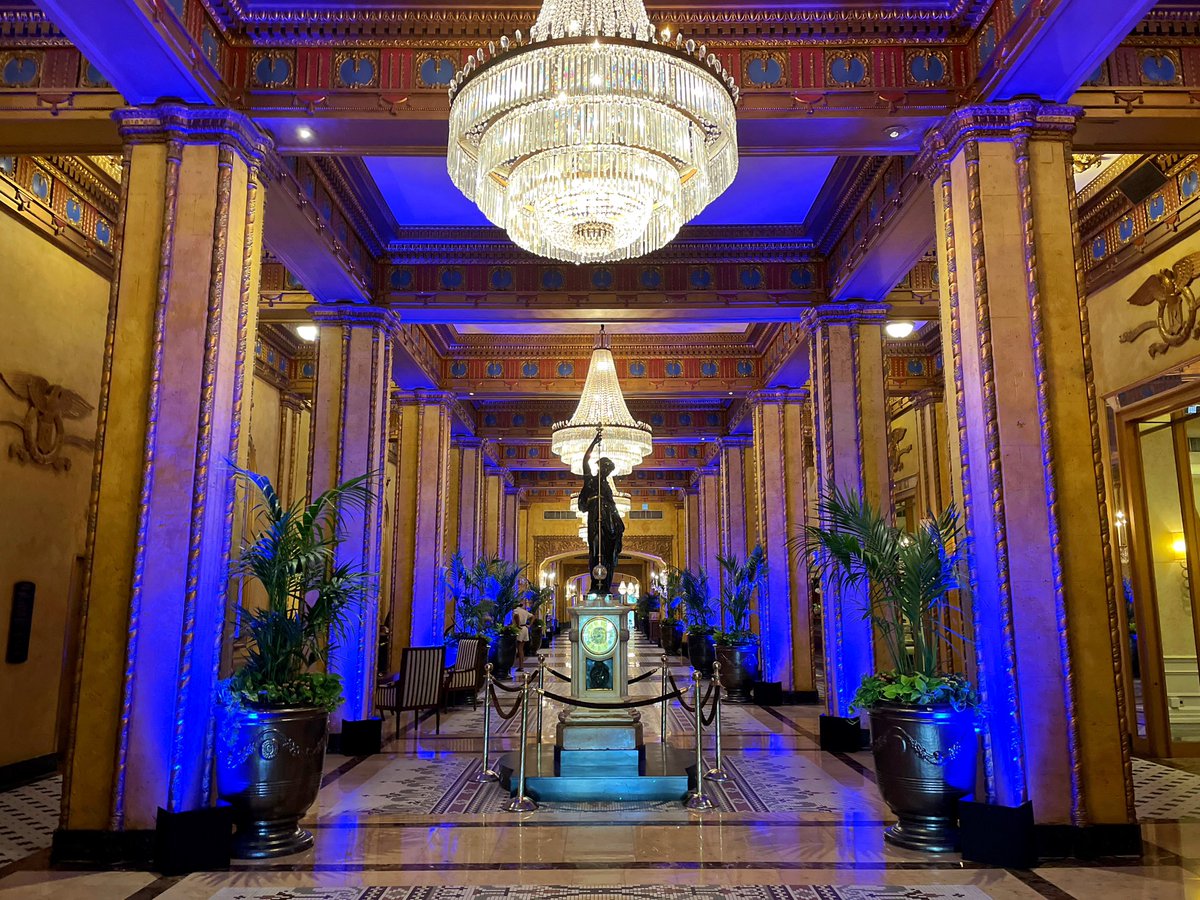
(663, 693)
(488, 773)
(717, 773)
(519, 802)
(541, 689)
(696, 799)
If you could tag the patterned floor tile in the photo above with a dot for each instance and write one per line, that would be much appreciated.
(638, 892)
(1165, 793)
(28, 817)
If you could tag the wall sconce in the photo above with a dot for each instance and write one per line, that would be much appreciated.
(1122, 535)
(1179, 548)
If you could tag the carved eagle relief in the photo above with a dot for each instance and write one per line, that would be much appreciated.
(1176, 317)
(43, 428)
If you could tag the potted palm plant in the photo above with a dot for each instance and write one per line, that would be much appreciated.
(537, 597)
(671, 633)
(923, 719)
(464, 586)
(273, 712)
(501, 584)
(697, 601)
(737, 645)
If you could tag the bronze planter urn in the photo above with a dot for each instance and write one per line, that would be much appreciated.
(925, 763)
(269, 764)
(671, 638)
(701, 654)
(739, 670)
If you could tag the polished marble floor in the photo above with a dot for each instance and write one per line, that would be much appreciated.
(791, 823)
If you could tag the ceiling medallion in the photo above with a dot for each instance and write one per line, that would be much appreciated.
(596, 139)
(626, 441)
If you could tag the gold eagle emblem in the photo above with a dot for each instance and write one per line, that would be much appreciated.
(1176, 317)
(43, 429)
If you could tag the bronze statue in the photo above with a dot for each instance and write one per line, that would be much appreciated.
(605, 529)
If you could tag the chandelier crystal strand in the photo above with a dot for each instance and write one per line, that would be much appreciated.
(592, 141)
(626, 441)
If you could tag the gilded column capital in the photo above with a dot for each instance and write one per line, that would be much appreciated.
(1013, 120)
(928, 397)
(850, 312)
(354, 315)
(735, 441)
(179, 123)
(466, 442)
(778, 395)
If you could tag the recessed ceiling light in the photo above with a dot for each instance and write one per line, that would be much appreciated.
(471, 393)
(307, 332)
(899, 330)
(731, 393)
(305, 133)
(895, 132)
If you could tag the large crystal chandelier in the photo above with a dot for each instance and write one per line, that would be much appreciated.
(602, 405)
(595, 139)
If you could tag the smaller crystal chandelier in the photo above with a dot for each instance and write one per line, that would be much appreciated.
(626, 441)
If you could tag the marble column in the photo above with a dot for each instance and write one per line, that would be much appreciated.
(170, 419)
(492, 511)
(349, 438)
(708, 482)
(295, 423)
(1027, 473)
(932, 451)
(418, 551)
(467, 459)
(784, 605)
(850, 424)
(510, 507)
(692, 511)
(738, 496)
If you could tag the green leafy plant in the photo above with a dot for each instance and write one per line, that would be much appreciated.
(501, 582)
(697, 600)
(673, 605)
(743, 580)
(536, 597)
(292, 553)
(465, 586)
(905, 579)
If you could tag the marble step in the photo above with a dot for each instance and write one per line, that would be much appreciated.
(668, 774)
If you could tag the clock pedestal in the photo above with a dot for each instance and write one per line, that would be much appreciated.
(600, 754)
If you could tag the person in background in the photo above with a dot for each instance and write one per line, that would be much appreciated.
(521, 618)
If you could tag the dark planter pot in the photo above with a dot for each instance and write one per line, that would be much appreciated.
(269, 765)
(503, 655)
(925, 764)
(739, 670)
(670, 639)
(535, 638)
(701, 654)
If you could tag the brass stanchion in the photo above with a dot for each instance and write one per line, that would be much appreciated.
(541, 688)
(717, 773)
(488, 773)
(519, 802)
(663, 693)
(696, 798)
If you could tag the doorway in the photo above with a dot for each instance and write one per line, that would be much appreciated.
(1158, 539)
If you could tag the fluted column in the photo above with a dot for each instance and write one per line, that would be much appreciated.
(467, 459)
(850, 415)
(692, 511)
(784, 612)
(354, 354)
(295, 423)
(419, 552)
(738, 496)
(708, 481)
(1028, 466)
(170, 420)
(510, 508)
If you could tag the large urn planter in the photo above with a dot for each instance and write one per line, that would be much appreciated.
(269, 764)
(925, 763)
(739, 670)
(504, 654)
(535, 638)
(701, 653)
(670, 638)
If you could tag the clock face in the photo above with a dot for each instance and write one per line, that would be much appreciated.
(599, 636)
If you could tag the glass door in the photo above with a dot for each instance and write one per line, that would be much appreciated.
(1161, 454)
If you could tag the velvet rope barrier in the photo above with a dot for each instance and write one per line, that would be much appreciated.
(588, 704)
(703, 700)
(499, 710)
(643, 676)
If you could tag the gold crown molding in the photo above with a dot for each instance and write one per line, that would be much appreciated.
(622, 343)
(502, 350)
(331, 170)
(1113, 171)
(870, 170)
(698, 404)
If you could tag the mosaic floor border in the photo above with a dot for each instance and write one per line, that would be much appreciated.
(616, 892)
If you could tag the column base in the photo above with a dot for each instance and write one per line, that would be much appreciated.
(997, 835)
(841, 734)
(358, 738)
(1088, 841)
(197, 840)
(99, 849)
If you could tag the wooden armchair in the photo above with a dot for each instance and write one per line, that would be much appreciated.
(420, 684)
(466, 675)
